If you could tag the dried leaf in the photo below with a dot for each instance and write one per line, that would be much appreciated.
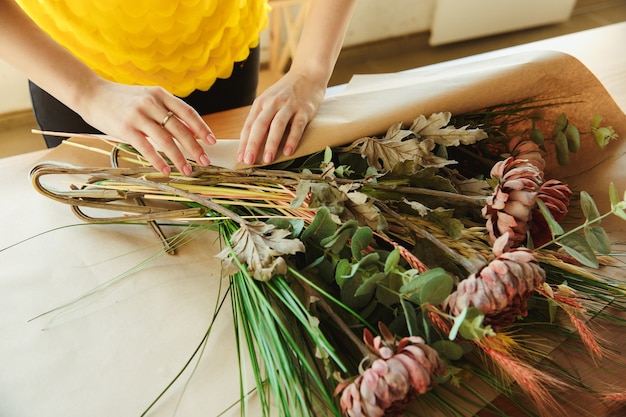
(434, 128)
(444, 218)
(421, 209)
(260, 247)
(367, 214)
(397, 146)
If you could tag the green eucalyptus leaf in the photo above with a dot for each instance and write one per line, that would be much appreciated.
(560, 125)
(349, 297)
(295, 226)
(536, 135)
(321, 227)
(562, 149)
(392, 261)
(328, 155)
(386, 296)
(614, 195)
(369, 284)
(619, 212)
(343, 272)
(369, 259)
(590, 210)
(577, 246)
(598, 239)
(432, 286)
(410, 316)
(573, 138)
(553, 225)
(337, 241)
(447, 349)
(436, 286)
(361, 239)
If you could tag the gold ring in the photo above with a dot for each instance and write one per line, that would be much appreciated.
(167, 117)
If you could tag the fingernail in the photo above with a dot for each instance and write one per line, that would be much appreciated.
(211, 138)
(204, 160)
(268, 157)
(288, 150)
(239, 156)
(249, 158)
(187, 170)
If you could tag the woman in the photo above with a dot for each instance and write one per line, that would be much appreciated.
(122, 67)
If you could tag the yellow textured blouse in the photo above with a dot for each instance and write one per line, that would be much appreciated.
(180, 45)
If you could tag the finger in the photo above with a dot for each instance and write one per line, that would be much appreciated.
(279, 125)
(164, 141)
(189, 117)
(296, 130)
(185, 137)
(258, 135)
(145, 148)
(247, 128)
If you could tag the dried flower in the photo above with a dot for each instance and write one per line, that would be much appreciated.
(556, 196)
(401, 371)
(509, 209)
(527, 150)
(501, 289)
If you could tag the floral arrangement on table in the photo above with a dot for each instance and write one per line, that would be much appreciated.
(393, 275)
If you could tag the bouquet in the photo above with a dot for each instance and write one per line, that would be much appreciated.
(395, 274)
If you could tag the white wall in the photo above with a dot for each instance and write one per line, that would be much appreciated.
(14, 90)
(382, 19)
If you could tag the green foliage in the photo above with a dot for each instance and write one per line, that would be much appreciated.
(469, 324)
(431, 287)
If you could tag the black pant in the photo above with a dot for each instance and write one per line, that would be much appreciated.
(237, 91)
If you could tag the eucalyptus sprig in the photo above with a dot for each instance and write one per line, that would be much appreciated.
(583, 247)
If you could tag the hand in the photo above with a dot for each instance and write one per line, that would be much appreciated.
(134, 113)
(281, 112)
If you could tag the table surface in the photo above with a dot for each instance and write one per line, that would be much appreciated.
(110, 353)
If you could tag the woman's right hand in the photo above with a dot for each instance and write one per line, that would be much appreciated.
(136, 113)
(129, 113)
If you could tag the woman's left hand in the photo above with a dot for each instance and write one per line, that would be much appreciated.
(281, 112)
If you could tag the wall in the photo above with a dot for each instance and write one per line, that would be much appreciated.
(14, 88)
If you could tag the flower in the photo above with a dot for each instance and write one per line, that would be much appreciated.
(509, 209)
(400, 372)
(556, 196)
(501, 289)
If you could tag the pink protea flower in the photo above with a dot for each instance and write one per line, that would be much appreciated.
(501, 289)
(528, 150)
(509, 209)
(398, 372)
(556, 197)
